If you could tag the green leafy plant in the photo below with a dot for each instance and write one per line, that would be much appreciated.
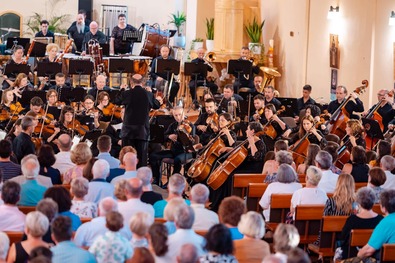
(210, 28)
(198, 40)
(178, 19)
(55, 23)
(254, 30)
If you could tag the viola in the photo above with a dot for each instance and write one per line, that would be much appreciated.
(78, 127)
(4, 115)
(213, 121)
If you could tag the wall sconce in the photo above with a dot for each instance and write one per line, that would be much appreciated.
(333, 12)
(391, 21)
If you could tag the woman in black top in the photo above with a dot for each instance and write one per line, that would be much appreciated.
(354, 135)
(271, 119)
(314, 136)
(358, 167)
(117, 45)
(46, 158)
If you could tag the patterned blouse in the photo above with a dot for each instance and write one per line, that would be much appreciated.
(111, 247)
(212, 258)
(84, 209)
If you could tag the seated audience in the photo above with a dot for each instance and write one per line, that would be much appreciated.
(271, 165)
(31, 191)
(130, 164)
(119, 191)
(63, 157)
(251, 248)
(188, 254)
(142, 254)
(112, 246)
(121, 169)
(384, 233)
(358, 167)
(286, 237)
(46, 158)
(49, 208)
(281, 157)
(11, 218)
(65, 250)
(176, 187)
(229, 214)
(286, 184)
(383, 149)
(8, 168)
(87, 170)
(139, 225)
(104, 147)
(80, 156)
(149, 196)
(297, 255)
(376, 179)
(169, 213)
(342, 203)
(323, 160)
(40, 255)
(63, 198)
(219, 249)
(80, 207)
(99, 187)
(36, 226)
(158, 237)
(204, 218)
(312, 152)
(4, 246)
(388, 165)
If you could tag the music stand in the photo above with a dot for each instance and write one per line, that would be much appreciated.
(291, 106)
(48, 69)
(373, 130)
(157, 133)
(14, 41)
(92, 135)
(168, 67)
(106, 49)
(27, 95)
(120, 66)
(195, 69)
(113, 93)
(12, 70)
(238, 67)
(80, 67)
(38, 50)
(55, 111)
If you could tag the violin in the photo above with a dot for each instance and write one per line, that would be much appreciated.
(112, 110)
(75, 125)
(47, 117)
(16, 108)
(4, 115)
(213, 121)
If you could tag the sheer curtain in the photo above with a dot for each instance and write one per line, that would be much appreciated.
(109, 15)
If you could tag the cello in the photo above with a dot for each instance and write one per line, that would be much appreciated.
(337, 122)
(268, 127)
(233, 160)
(299, 149)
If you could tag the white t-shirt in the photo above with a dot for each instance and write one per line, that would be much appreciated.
(390, 182)
(309, 196)
(328, 181)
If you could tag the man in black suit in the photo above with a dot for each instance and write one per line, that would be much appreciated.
(44, 31)
(77, 32)
(135, 129)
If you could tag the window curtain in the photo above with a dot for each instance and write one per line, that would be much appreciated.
(109, 14)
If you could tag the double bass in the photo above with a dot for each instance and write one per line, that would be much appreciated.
(338, 120)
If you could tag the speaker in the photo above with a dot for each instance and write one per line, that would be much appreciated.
(87, 6)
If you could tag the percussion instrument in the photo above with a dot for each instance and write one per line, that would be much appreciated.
(152, 39)
(61, 40)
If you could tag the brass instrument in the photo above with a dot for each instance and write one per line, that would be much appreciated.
(254, 61)
(269, 74)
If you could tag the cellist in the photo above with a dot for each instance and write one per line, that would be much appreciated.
(271, 118)
(354, 135)
(308, 126)
(385, 109)
(350, 107)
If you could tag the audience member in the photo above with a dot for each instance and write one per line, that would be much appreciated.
(8, 168)
(297, 255)
(323, 160)
(112, 246)
(271, 165)
(36, 226)
(342, 203)
(63, 157)
(358, 167)
(46, 158)
(388, 165)
(119, 191)
(4, 246)
(134, 190)
(130, 164)
(158, 237)
(218, 249)
(286, 237)
(142, 254)
(251, 248)
(139, 225)
(31, 191)
(176, 188)
(149, 196)
(229, 213)
(188, 254)
(104, 147)
(40, 255)
(11, 218)
(80, 156)
(87, 170)
(376, 179)
(204, 218)
(63, 198)
(121, 170)
(65, 250)
(281, 158)
(169, 214)
(383, 149)
(50, 209)
(99, 187)
(312, 152)
(80, 207)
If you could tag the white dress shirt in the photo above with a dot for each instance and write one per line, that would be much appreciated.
(11, 218)
(204, 218)
(133, 206)
(63, 162)
(328, 181)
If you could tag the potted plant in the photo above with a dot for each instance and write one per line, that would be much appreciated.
(254, 32)
(56, 23)
(210, 34)
(197, 43)
(178, 19)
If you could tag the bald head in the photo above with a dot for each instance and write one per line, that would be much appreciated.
(130, 161)
(137, 79)
(93, 26)
(134, 188)
(100, 81)
(64, 142)
(106, 205)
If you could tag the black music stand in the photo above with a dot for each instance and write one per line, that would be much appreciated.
(48, 69)
(55, 111)
(27, 95)
(38, 50)
(12, 70)
(157, 133)
(92, 135)
(113, 93)
(195, 69)
(244, 105)
(120, 66)
(291, 106)
(14, 41)
(168, 67)
(373, 130)
(238, 67)
(76, 94)
(80, 67)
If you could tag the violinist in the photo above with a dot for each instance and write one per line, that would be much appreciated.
(270, 97)
(308, 126)
(228, 136)
(89, 116)
(7, 98)
(207, 123)
(64, 125)
(36, 104)
(354, 135)
(350, 107)
(259, 104)
(104, 106)
(16, 59)
(271, 119)
(176, 151)
(22, 144)
(54, 105)
(100, 81)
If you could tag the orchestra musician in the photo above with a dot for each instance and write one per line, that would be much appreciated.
(304, 100)
(176, 151)
(103, 101)
(354, 135)
(259, 104)
(159, 78)
(90, 115)
(100, 82)
(245, 80)
(52, 50)
(94, 33)
(7, 98)
(207, 123)
(44, 31)
(385, 109)
(117, 44)
(83, 12)
(350, 107)
(201, 80)
(228, 136)
(36, 104)
(270, 118)
(258, 81)
(54, 105)
(135, 129)
(60, 83)
(77, 32)
(270, 97)
(229, 97)
(16, 59)
(308, 126)
(64, 125)
(22, 144)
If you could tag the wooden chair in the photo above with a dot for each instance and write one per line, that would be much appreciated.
(302, 178)
(201, 232)
(358, 238)
(254, 194)
(388, 253)
(14, 236)
(307, 221)
(279, 208)
(85, 219)
(27, 209)
(376, 208)
(330, 227)
(160, 220)
(241, 181)
(359, 185)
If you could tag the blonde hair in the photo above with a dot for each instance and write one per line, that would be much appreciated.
(119, 191)
(51, 46)
(170, 208)
(344, 195)
(140, 223)
(81, 154)
(252, 225)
